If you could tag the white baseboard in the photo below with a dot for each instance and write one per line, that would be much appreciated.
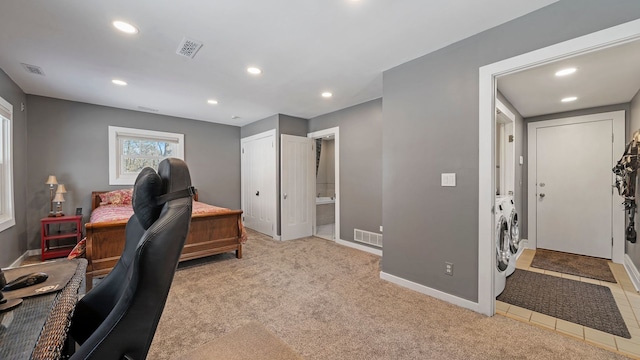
(431, 292)
(19, 260)
(34, 252)
(276, 237)
(359, 247)
(632, 271)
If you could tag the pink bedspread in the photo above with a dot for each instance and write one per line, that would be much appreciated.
(108, 213)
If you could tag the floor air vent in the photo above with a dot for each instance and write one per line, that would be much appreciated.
(367, 237)
(188, 48)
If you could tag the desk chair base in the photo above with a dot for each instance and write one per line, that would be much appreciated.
(10, 304)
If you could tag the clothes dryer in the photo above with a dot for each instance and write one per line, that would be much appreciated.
(503, 255)
(515, 248)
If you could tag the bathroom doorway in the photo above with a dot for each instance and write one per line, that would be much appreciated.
(326, 210)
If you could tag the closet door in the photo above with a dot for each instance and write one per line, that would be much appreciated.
(258, 157)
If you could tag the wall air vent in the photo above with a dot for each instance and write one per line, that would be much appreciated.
(144, 108)
(33, 69)
(188, 48)
(367, 237)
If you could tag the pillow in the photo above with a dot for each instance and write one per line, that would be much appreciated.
(145, 192)
(117, 197)
(79, 250)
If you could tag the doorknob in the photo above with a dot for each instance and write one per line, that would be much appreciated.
(285, 196)
(541, 195)
(258, 193)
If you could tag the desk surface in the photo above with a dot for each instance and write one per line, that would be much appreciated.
(37, 329)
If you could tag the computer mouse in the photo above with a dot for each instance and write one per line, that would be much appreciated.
(26, 280)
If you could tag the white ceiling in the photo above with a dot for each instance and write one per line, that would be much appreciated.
(304, 47)
(605, 77)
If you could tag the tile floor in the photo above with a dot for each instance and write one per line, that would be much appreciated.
(326, 231)
(626, 296)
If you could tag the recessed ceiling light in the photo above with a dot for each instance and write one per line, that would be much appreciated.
(125, 27)
(327, 94)
(119, 82)
(254, 71)
(212, 102)
(569, 99)
(234, 117)
(565, 72)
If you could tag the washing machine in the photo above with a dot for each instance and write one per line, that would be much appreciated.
(503, 254)
(510, 213)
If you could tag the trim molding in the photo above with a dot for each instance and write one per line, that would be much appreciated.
(612, 36)
(19, 260)
(431, 292)
(632, 271)
(359, 247)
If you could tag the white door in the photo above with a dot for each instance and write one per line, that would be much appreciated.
(258, 182)
(574, 188)
(297, 183)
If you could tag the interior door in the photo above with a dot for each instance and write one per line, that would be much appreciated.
(258, 183)
(297, 183)
(573, 186)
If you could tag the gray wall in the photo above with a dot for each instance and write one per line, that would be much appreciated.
(431, 126)
(70, 140)
(360, 165)
(634, 124)
(13, 241)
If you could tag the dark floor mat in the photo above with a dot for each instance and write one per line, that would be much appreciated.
(578, 265)
(578, 302)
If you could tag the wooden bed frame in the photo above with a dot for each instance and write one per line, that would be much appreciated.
(209, 234)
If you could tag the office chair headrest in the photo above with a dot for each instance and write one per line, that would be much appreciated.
(152, 190)
(147, 188)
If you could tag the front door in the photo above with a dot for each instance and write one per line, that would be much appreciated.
(574, 187)
(297, 178)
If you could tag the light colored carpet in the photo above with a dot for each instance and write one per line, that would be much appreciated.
(327, 301)
(251, 341)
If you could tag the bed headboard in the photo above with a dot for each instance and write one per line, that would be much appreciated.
(95, 198)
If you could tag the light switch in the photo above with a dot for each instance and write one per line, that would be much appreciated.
(448, 179)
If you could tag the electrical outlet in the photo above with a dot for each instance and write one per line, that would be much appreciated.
(448, 268)
(380, 228)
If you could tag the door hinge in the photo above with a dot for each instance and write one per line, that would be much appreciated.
(243, 218)
(612, 137)
(611, 242)
(243, 150)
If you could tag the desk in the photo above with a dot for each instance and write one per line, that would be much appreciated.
(37, 329)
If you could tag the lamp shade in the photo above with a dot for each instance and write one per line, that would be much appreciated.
(61, 189)
(59, 198)
(52, 180)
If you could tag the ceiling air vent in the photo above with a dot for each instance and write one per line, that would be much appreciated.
(33, 69)
(188, 48)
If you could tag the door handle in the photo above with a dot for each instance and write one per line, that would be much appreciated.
(258, 193)
(285, 196)
(541, 195)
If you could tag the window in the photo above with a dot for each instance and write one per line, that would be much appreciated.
(7, 212)
(131, 150)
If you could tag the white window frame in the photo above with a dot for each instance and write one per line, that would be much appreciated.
(7, 208)
(115, 132)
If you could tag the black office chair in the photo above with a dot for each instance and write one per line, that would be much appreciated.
(118, 318)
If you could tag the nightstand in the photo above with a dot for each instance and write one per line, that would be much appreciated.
(49, 232)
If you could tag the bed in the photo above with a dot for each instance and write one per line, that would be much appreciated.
(213, 230)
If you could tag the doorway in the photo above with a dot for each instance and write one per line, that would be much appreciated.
(572, 205)
(326, 162)
(488, 83)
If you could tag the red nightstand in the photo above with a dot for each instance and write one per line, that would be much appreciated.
(46, 235)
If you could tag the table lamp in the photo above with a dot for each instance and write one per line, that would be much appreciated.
(5, 304)
(58, 199)
(51, 181)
